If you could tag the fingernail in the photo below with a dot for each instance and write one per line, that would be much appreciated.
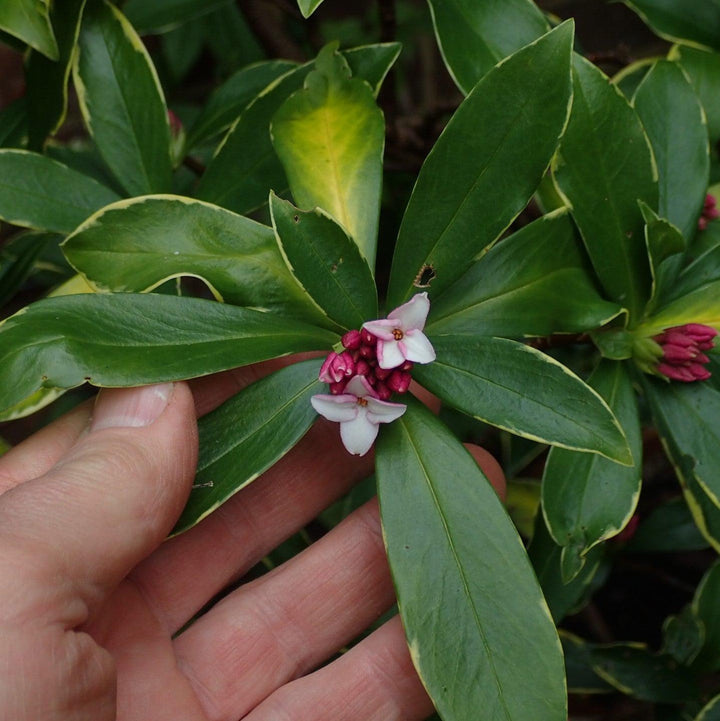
(130, 407)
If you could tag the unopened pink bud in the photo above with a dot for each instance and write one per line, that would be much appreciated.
(367, 351)
(678, 353)
(175, 123)
(338, 388)
(709, 202)
(406, 366)
(699, 332)
(383, 373)
(382, 391)
(337, 367)
(367, 337)
(362, 368)
(702, 223)
(399, 381)
(676, 373)
(352, 340)
(699, 371)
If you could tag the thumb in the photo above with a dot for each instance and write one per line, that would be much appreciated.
(108, 503)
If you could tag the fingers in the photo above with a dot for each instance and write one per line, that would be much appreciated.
(289, 621)
(74, 532)
(374, 681)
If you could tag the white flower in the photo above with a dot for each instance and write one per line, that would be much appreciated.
(359, 412)
(400, 335)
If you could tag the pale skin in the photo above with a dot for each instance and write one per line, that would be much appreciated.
(92, 598)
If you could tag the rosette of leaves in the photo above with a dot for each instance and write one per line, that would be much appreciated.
(478, 627)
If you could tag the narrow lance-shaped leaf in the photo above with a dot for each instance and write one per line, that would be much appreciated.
(326, 262)
(706, 606)
(473, 184)
(536, 282)
(700, 305)
(136, 245)
(13, 124)
(126, 339)
(515, 387)
(603, 167)
(673, 119)
(330, 137)
(474, 36)
(246, 167)
(29, 20)
(308, 7)
(122, 101)
(47, 80)
(677, 19)
(247, 434)
(587, 499)
(163, 15)
(711, 711)
(437, 510)
(43, 194)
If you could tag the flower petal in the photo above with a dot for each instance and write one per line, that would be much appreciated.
(360, 387)
(389, 354)
(383, 412)
(416, 347)
(412, 315)
(381, 328)
(339, 409)
(358, 435)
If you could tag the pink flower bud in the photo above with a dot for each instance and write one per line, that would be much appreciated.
(676, 373)
(682, 356)
(362, 368)
(699, 332)
(367, 337)
(678, 353)
(383, 392)
(338, 388)
(367, 351)
(352, 340)
(399, 381)
(337, 367)
(383, 373)
(406, 366)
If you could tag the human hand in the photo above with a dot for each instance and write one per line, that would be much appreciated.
(92, 600)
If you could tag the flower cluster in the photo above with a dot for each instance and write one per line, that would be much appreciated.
(709, 212)
(682, 351)
(374, 363)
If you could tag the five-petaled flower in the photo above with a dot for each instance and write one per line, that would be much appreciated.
(400, 335)
(359, 412)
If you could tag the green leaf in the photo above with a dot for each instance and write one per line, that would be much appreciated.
(677, 19)
(230, 40)
(587, 499)
(536, 282)
(136, 245)
(704, 270)
(330, 137)
(683, 636)
(126, 340)
(604, 165)
(29, 20)
(245, 167)
(706, 606)
(247, 434)
(710, 712)
(701, 305)
(13, 124)
(17, 258)
(633, 670)
(519, 389)
(673, 119)
(665, 246)
(326, 262)
(669, 527)
(580, 676)
(47, 80)
(473, 184)
(41, 193)
(688, 416)
(308, 7)
(122, 101)
(473, 37)
(462, 612)
(629, 78)
(232, 97)
(563, 598)
(162, 15)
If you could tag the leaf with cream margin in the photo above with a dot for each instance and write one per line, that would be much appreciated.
(29, 20)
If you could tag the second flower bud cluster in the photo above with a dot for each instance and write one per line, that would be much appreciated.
(359, 358)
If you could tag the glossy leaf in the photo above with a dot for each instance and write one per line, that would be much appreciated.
(603, 167)
(245, 167)
(122, 101)
(669, 527)
(330, 137)
(683, 636)
(580, 675)
(633, 670)
(13, 124)
(704, 270)
(473, 184)
(127, 339)
(163, 15)
(478, 629)
(247, 434)
(629, 78)
(136, 245)
(232, 97)
(47, 80)
(326, 262)
(677, 19)
(706, 606)
(536, 282)
(701, 305)
(688, 414)
(308, 7)
(41, 193)
(515, 387)
(587, 499)
(711, 711)
(673, 119)
(17, 258)
(29, 20)
(473, 37)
